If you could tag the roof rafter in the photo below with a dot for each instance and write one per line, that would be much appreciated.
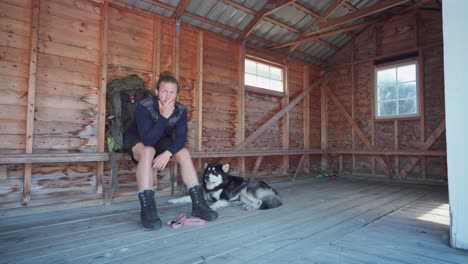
(305, 10)
(180, 8)
(240, 7)
(325, 34)
(381, 6)
(283, 25)
(160, 4)
(327, 13)
(259, 16)
(359, 13)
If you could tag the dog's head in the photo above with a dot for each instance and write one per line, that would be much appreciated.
(215, 175)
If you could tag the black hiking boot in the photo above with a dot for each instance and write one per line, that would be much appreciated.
(148, 214)
(199, 206)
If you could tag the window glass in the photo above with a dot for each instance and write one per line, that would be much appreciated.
(264, 76)
(396, 90)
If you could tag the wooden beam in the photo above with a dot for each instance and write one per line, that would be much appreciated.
(259, 16)
(278, 115)
(326, 44)
(156, 51)
(180, 8)
(427, 144)
(52, 158)
(241, 104)
(102, 94)
(305, 10)
(161, 4)
(31, 100)
(380, 6)
(328, 12)
(198, 100)
(258, 161)
(240, 7)
(280, 24)
(355, 127)
(349, 6)
(211, 22)
(306, 115)
(321, 34)
(298, 168)
(323, 126)
(284, 121)
(199, 95)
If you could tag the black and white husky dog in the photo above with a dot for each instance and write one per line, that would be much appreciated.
(222, 189)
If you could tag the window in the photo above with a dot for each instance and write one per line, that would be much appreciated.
(397, 90)
(263, 76)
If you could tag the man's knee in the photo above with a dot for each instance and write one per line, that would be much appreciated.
(146, 152)
(183, 154)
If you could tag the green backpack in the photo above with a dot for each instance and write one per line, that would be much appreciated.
(123, 95)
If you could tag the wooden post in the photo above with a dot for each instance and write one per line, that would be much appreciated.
(353, 103)
(285, 122)
(306, 117)
(324, 125)
(176, 50)
(422, 120)
(241, 106)
(299, 166)
(156, 52)
(198, 95)
(396, 147)
(256, 166)
(102, 95)
(31, 100)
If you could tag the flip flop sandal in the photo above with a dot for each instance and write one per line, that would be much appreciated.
(182, 220)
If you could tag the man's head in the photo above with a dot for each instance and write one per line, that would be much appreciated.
(167, 87)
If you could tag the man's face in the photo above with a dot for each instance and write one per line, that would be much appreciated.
(167, 92)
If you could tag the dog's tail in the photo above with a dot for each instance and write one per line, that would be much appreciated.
(270, 201)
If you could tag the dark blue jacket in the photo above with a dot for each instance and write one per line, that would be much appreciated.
(150, 126)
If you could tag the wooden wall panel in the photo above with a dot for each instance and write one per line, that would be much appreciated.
(68, 89)
(295, 86)
(219, 98)
(419, 31)
(68, 59)
(396, 35)
(15, 32)
(130, 46)
(188, 78)
(364, 45)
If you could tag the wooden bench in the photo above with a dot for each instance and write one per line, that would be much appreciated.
(236, 153)
(51, 158)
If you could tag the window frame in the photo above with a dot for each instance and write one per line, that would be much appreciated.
(397, 64)
(261, 89)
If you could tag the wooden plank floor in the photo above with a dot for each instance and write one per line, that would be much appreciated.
(322, 221)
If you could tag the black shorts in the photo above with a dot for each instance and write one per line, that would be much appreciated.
(162, 145)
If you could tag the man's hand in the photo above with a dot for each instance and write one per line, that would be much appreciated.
(166, 108)
(161, 160)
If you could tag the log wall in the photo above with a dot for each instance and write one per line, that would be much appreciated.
(350, 77)
(63, 56)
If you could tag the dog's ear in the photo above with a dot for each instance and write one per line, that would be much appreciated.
(226, 167)
(206, 165)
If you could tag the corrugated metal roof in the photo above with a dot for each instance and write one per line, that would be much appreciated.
(289, 23)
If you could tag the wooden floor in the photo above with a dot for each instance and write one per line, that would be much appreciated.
(322, 221)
